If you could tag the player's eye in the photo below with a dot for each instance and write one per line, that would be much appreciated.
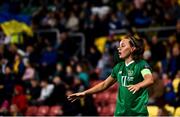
(122, 45)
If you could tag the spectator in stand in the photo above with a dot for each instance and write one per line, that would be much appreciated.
(59, 70)
(104, 66)
(72, 22)
(18, 68)
(174, 65)
(93, 55)
(34, 91)
(29, 72)
(48, 60)
(78, 85)
(32, 55)
(82, 75)
(8, 83)
(46, 91)
(58, 95)
(69, 75)
(14, 111)
(178, 30)
(4, 108)
(19, 100)
(138, 15)
(10, 52)
(64, 46)
(157, 47)
(121, 15)
(169, 95)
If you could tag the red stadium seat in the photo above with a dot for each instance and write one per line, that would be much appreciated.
(112, 107)
(55, 111)
(31, 110)
(99, 109)
(101, 98)
(43, 110)
(113, 88)
(113, 97)
(106, 111)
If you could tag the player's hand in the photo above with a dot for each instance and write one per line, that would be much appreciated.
(133, 88)
(75, 96)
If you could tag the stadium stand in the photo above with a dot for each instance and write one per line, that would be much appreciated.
(55, 111)
(53, 48)
(31, 111)
(42, 110)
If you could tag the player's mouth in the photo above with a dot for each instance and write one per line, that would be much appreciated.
(119, 53)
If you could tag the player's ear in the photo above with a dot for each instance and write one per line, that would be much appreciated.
(133, 49)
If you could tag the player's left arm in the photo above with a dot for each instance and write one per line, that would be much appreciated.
(148, 80)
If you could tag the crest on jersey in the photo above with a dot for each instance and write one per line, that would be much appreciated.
(130, 79)
(130, 72)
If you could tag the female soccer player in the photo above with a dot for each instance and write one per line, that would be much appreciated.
(133, 75)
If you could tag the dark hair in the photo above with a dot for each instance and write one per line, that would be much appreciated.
(138, 43)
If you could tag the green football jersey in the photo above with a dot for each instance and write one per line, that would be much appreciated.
(127, 103)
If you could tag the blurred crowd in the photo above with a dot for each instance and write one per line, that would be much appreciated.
(44, 70)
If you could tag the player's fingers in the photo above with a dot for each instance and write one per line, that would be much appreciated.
(134, 91)
(73, 100)
(71, 97)
(130, 87)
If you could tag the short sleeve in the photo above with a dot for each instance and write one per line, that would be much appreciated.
(145, 65)
(115, 71)
(145, 72)
(145, 68)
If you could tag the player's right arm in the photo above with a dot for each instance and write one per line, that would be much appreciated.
(97, 88)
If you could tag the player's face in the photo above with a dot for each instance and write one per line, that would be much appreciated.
(124, 49)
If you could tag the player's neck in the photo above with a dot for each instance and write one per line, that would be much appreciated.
(128, 60)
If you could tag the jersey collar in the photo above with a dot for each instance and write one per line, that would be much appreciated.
(129, 63)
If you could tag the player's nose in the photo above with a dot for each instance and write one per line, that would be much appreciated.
(119, 49)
